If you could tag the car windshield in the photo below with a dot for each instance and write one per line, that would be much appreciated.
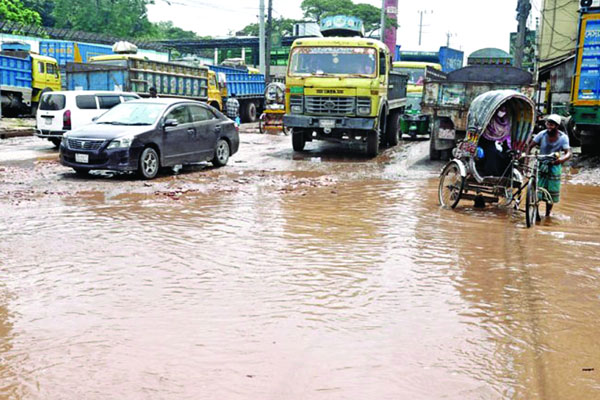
(333, 61)
(132, 114)
(416, 76)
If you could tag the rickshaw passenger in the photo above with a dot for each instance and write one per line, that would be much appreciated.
(551, 141)
(495, 143)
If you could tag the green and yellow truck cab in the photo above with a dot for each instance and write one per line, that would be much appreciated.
(584, 105)
(343, 89)
(413, 121)
(25, 75)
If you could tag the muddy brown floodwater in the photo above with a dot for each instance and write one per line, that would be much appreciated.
(287, 276)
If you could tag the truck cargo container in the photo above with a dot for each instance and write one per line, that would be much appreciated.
(24, 76)
(72, 52)
(134, 74)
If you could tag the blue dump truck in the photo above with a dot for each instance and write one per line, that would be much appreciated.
(24, 76)
(248, 87)
(131, 73)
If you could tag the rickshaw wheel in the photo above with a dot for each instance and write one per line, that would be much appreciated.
(261, 128)
(531, 200)
(452, 184)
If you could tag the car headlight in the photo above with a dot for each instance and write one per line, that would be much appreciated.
(122, 143)
(63, 141)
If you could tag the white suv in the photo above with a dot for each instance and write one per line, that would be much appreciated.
(59, 112)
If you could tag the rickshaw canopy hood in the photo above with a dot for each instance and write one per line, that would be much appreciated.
(520, 109)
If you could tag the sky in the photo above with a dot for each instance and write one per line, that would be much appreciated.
(471, 24)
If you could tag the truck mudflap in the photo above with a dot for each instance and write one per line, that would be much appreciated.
(320, 122)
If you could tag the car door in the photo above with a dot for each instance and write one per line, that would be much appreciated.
(207, 130)
(178, 140)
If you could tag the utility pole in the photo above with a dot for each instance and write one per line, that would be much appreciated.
(448, 36)
(382, 25)
(421, 12)
(261, 36)
(269, 41)
(523, 9)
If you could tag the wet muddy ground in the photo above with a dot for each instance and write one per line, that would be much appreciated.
(315, 275)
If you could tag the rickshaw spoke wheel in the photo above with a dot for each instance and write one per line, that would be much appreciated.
(451, 185)
(531, 203)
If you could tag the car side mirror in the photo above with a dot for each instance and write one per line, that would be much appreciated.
(170, 123)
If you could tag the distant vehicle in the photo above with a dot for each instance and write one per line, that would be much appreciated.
(144, 135)
(63, 111)
(412, 121)
(24, 77)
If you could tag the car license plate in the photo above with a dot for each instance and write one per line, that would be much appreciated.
(82, 158)
(447, 134)
(327, 123)
(48, 121)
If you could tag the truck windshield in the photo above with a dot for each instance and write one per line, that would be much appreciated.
(132, 114)
(333, 61)
(416, 76)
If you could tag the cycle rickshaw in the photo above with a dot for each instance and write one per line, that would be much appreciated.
(462, 178)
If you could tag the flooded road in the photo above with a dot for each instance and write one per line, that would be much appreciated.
(320, 275)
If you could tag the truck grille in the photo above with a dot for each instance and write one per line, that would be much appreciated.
(322, 105)
(85, 144)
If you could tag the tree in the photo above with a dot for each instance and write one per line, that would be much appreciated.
(121, 18)
(316, 10)
(284, 26)
(168, 31)
(14, 10)
(44, 8)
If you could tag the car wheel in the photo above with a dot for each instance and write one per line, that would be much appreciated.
(221, 153)
(149, 164)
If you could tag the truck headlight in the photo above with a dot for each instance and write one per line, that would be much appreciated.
(363, 106)
(122, 143)
(297, 109)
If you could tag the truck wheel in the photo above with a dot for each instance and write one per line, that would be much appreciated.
(574, 134)
(373, 140)
(393, 128)
(250, 112)
(298, 140)
(434, 154)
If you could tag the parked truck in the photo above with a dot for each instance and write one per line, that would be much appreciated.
(343, 89)
(447, 97)
(132, 73)
(584, 105)
(449, 59)
(24, 76)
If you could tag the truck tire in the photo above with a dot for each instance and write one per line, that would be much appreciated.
(373, 140)
(298, 140)
(434, 154)
(393, 128)
(249, 112)
(574, 134)
(589, 144)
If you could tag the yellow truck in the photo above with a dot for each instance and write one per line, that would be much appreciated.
(343, 89)
(413, 122)
(24, 76)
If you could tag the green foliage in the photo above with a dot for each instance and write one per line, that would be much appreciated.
(284, 26)
(14, 10)
(120, 18)
(316, 10)
(44, 8)
(168, 31)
